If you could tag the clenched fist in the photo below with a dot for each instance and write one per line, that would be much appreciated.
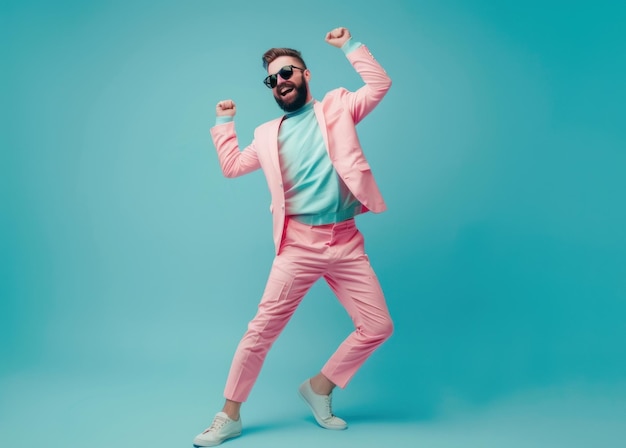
(226, 108)
(338, 37)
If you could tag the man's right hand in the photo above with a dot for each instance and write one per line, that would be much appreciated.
(226, 108)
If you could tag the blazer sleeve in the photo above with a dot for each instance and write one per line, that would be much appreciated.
(376, 80)
(233, 161)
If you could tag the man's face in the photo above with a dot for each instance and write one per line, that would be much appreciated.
(293, 93)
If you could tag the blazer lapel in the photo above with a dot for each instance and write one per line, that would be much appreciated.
(273, 143)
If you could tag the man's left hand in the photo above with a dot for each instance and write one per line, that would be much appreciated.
(338, 37)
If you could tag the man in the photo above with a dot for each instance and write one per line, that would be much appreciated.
(319, 180)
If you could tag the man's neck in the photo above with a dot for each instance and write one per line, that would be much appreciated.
(303, 109)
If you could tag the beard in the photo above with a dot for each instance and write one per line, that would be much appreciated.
(298, 101)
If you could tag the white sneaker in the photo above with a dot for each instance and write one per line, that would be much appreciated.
(221, 429)
(321, 406)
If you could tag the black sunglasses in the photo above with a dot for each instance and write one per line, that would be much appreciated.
(286, 72)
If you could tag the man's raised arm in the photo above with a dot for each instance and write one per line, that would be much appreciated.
(232, 161)
(376, 80)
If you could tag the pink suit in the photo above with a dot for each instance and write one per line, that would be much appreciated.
(306, 253)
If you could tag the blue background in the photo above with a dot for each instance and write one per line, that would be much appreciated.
(130, 267)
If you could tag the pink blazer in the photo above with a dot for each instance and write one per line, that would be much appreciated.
(337, 114)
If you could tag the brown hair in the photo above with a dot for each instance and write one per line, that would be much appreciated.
(274, 53)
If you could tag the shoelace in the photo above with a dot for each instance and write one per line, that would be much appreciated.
(329, 406)
(218, 423)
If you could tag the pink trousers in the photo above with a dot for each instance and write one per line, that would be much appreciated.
(335, 252)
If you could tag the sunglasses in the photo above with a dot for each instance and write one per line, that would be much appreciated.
(286, 72)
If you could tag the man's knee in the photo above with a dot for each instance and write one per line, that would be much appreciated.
(379, 332)
(386, 329)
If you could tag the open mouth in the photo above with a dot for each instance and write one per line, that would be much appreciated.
(285, 90)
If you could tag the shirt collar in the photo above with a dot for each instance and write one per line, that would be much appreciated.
(307, 107)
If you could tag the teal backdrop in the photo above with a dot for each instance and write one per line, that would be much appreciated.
(130, 266)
